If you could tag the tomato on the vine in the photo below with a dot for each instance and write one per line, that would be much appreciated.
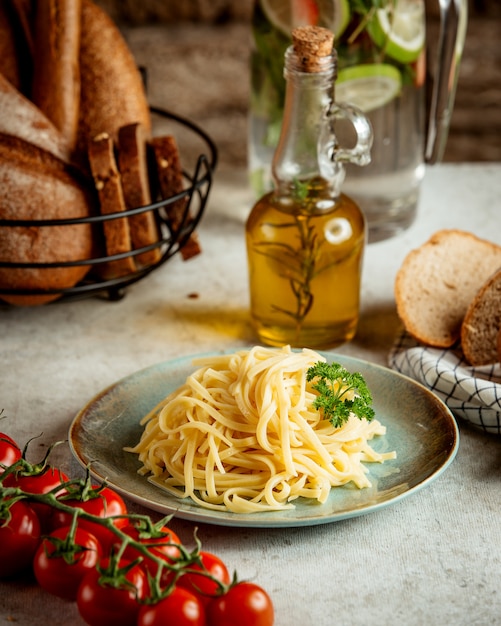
(179, 608)
(162, 544)
(104, 503)
(202, 585)
(47, 480)
(10, 452)
(245, 604)
(19, 538)
(61, 561)
(101, 602)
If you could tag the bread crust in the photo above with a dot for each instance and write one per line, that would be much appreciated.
(170, 181)
(9, 61)
(111, 200)
(437, 281)
(37, 185)
(482, 323)
(133, 166)
(56, 78)
(112, 91)
(21, 118)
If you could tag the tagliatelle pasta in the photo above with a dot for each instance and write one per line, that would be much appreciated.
(241, 435)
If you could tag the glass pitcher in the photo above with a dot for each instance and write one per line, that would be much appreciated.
(384, 69)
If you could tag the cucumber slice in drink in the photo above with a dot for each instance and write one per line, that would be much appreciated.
(399, 29)
(368, 87)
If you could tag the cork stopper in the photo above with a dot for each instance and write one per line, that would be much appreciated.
(311, 45)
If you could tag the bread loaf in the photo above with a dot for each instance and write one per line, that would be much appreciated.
(482, 323)
(21, 118)
(437, 281)
(133, 166)
(170, 181)
(112, 92)
(111, 200)
(56, 79)
(37, 185)
(9, 59)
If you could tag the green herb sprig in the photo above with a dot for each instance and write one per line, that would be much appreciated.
(334, 383)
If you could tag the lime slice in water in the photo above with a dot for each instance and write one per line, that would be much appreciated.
(399, 29)
(288, 14)
(368, 87)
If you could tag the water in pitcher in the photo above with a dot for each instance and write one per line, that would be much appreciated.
(381, 69)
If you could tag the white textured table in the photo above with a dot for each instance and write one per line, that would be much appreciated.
(433, 558)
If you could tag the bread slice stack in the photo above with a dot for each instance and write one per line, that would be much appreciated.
(448, 292)
(76, 141)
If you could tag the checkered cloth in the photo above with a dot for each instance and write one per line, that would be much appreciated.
(471, 393)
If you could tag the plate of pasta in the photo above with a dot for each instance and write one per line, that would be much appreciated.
(241, 438)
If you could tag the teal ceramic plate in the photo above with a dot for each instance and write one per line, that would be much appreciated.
(420, 428)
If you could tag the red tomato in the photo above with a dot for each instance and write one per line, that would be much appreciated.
(162, 546)
(105, 503)
(102, 604)
(245, 604)
(47, 480)
(179, 608)
(202, 585)
(61, 565)
(19, 539)
(10, 452)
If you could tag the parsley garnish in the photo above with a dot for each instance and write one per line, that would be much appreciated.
(333, 385)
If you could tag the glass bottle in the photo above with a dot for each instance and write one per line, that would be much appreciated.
(305, 239)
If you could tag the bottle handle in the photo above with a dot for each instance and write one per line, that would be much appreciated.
(360, 153)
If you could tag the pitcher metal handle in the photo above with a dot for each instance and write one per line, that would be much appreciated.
(453, 22)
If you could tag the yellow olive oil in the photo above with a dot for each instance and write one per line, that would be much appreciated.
(305, 261)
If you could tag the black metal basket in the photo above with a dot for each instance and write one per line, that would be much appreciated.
(170, 240)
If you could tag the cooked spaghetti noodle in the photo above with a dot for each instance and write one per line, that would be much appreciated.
(241, 435)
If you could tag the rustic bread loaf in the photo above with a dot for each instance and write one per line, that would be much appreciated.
(21, 118)
(111, 200)
(482, 323)
(56, 78)
(437, 281)
(37, 185)
(133, 166)
(112, 91)
(170, 182)
(9, 59)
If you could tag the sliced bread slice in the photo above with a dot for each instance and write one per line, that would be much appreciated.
(133, 166)
(437, 281)
(482, 324)
(170, 182)
(108, 185)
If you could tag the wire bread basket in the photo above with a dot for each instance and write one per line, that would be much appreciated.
(170, 240)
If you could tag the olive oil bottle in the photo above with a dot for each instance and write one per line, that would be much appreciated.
(306, 239)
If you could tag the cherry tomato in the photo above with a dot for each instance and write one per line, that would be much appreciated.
(102, 604)
(179, 608)
(60, 565)
(245, 604)
(19, 538)
(50, 478)
(162, 546)
(105, 503)
(202, 585)
(10, 452)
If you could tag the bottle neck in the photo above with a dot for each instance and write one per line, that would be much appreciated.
(304, 151)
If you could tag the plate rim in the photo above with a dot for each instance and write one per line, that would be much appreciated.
(227, 518)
